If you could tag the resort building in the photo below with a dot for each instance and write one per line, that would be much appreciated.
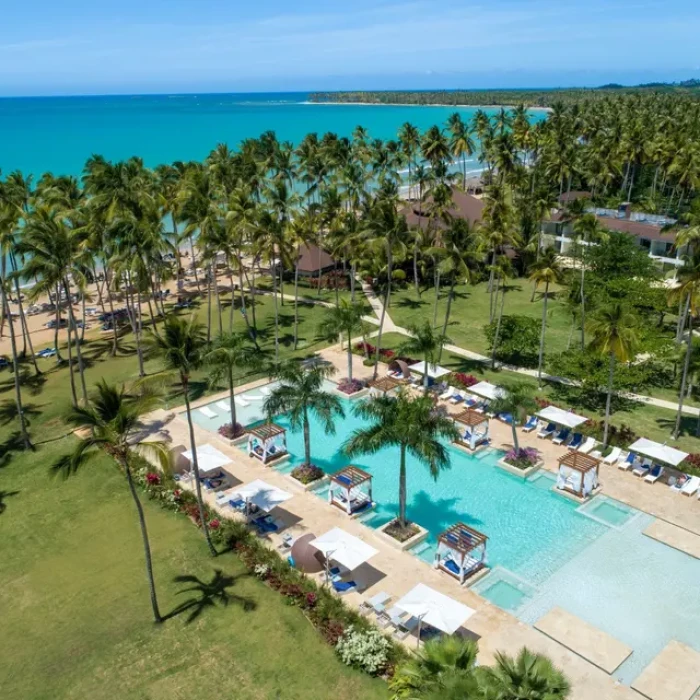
(314, 261)
(464, 206)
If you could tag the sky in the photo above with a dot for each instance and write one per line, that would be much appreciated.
(165, 46)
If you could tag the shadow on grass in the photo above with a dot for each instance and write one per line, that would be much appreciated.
(13, 443)
(688, 427)
(31, 383)
(8, 411)
(209, 594)
(407, 303)
(3, 496)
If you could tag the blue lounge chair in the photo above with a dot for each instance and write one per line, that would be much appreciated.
(656, 471)
(530, 424)
(343, 586)
(626, 463)
(506, 418)
(576, 441)
(265, 525)
(561, 436)
(549, 430)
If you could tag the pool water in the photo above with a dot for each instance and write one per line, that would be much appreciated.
(253, 412)
(608, 511)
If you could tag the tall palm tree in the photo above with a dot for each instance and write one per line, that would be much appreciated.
(614, 335)
(344, 319)
(425, 343)
(546, 271)
(410, 424)
(114, 420)
(409, 139)
(181, 346)
(461, 142)
(229, 353)
(517, 399)
(300, 393)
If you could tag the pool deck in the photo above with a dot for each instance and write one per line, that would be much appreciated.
(675, 537)
(396, 572)
(673, 675)
(587, 641)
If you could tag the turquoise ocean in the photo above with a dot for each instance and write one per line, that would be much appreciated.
(58, 134)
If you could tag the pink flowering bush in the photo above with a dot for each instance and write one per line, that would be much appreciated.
(230, 431)
(350, 386)
(524, 458)
(152, 479)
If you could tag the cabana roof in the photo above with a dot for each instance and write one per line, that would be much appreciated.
(402, 366)
(435, 608)
(658, 452)
(580, 462)
(487, 390)
(434, 371)
(208, 458)
(462, 538)
(561, 417)
(350, 476)
(263, 495)
(384, 384)
(346, 549)
(470, 418)
(266, 430)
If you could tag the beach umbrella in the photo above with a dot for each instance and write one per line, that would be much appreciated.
(307, 558)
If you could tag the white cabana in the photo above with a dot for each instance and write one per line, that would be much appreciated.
(350, 489)
(209, 459)
(435, 609)
(262, 495)
(434, 371)
(658, 452)
(473, 428)
(267, 442)
(578, 474)
(342, 547)
(487, 390)
(569, 419)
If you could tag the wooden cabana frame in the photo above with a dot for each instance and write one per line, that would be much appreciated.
(267, 442)
(461, 551)
(474, 430)
(383, 385)
(578, 474)
(351, 490)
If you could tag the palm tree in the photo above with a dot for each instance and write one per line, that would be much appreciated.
(346, 318)
(301, 392)
(614, 336)
(410, 424)
(181, 346)
(114, 420)
(518, 400)
(425, 343)
(546, 270)
(230, 352)
(461, 142)
(529, 675)
(434, 666)
(409, 138)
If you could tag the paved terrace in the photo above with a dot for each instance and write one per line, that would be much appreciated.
(397, 572)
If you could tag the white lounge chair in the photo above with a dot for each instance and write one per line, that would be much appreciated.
(265, 391)
(447, 393)
(642, 469)
(240, 401)
(548, 430)
(377, 603)
(530, 424)
(614, 455)
(225, 406)
(691, 486)
(206, 411)
(627, 462)
(254, 397)
(656, 471)
(587, 446)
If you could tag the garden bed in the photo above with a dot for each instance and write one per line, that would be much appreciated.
(523, 463)
(403, 538)
(308, 476)
(232, 436)
(351, 389)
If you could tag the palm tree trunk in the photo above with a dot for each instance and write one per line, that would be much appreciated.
(497, 334)
(139, 325)
(233, 296)
(682, 314)
(244, 311)
(209, 306)
(146, 544)
(450, 295)
(686, 366)
(349, 350)
(115, 337)
(611, 374)
(383, 316)
(542, 333)
(231, 398)
(307, 439)
(194, 265)
(415, 269)
(296, 301)
(437, 295)
(195, 469)
(59, 359)
(583, 303)
(23, 319)
(71, 374)
(277, 319)
(516, 445)
(402, 488)
(72, 324)
(15, 370)
(352, 283)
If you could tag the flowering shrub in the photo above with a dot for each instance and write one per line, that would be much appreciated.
(152, 479)
(261, 570)
(350, 386)
(693, 460)
(524, 458)
(214, 524)
(367, 650)
(310, 600)
(306, 473)
(369, 349)
(542, 403)
(231, 431)
(463, 380)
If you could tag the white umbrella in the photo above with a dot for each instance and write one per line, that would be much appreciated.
(263, 495)
(658, 452)
(487, 390)
(208, 458)
(435, 609)
(434, 371)
(349, 551)
(561, 417)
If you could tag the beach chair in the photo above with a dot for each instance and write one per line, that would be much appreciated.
(562, 436)
(627, 462)
(391, 618)
(587, 446)
(206, 411)
(691, 486)
(265, 391)
(224, 406)
(677, 484)
(376, 604)
(405, 628)
(506, 418)
(254, 397)
(547, 431)
(576, 441)
(240, 401)
(615, 454)
(343, 586)
(530, 424)
(447, 394)
(656, 471)
(641, 469)
(456, 398)
(471, 401)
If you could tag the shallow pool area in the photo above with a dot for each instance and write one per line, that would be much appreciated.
(544, 550)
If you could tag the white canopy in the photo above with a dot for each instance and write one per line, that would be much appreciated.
(346, 549)
(487, 390)
(208, 458)
(561, 417)
(263, 495)
(658, 452)
(435, 609)
(434, 371)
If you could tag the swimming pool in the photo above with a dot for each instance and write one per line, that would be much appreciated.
(544, 549)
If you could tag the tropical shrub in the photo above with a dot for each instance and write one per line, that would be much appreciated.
(231, 431)
(618, 436)
(518, 340)
(462, 380)
(350, 386)
(524, 458)
(306, 473)
(366, 649)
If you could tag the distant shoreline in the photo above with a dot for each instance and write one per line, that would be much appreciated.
(413, 104)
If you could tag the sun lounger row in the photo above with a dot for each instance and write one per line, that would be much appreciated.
(242, 401)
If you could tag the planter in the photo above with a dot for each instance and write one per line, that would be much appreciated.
(407, 544)
(312, 485)
(235, 442)
(465, 448)
(522, 473)
(356, 395)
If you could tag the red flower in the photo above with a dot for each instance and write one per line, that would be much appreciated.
(152, 478)
(215, 524)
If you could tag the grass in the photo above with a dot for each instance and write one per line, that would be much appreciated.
(76, 613)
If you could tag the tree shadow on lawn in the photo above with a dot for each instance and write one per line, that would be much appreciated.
(581, 397)
(30, 382)
(209, 594)
(3, 496)
(688, 427)
(8, 411)
(12, 444)
(411, 304)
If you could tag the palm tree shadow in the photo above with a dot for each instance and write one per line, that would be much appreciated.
(688, 425)
(209, 594)
(8, 411)
(3, 496)
(412, 304)
(13, 443)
